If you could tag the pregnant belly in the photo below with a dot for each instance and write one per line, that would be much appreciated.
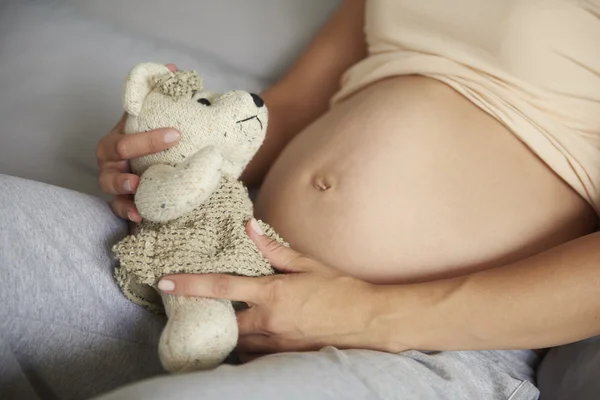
(408, 181)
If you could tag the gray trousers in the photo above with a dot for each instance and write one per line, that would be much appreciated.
(66, 332)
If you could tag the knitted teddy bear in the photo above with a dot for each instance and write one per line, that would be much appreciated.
(194, 208)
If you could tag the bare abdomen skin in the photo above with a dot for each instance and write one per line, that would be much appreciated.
(409, 181)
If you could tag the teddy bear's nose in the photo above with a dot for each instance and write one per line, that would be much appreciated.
(257, 100)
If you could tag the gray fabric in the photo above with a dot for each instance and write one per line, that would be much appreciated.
(259, 38)
(332, 374)
(571, 372)
(66, 332)
(61, 77)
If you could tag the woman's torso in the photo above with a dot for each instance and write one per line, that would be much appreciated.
(532, 64)
(407, 180)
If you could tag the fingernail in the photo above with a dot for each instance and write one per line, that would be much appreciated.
(171, 136)
(256, 227)
(166, 285)
(133, 216)
(127, 186)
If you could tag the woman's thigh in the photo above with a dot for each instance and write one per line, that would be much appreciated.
(66, 331)
(331, 374)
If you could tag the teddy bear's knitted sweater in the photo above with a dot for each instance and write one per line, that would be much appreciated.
(210, 239)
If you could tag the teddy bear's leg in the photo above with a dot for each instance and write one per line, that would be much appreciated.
(200, 333)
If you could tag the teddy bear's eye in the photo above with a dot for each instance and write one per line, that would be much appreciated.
(204, 101)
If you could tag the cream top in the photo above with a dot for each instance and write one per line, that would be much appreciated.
(532, 64)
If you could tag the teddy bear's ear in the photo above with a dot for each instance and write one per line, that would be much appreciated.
(138, 84)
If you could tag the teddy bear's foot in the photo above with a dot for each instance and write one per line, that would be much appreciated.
(199, 334)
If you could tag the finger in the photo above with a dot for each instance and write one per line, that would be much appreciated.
(121, 166)
(114, 166)
(249, 322)
(143, 143)
(120, 124)
(115, 182)
(216, 286)
(117, 147)
(251, 344)
(281, 257)
(273, 344)
(105, 148)
(125, 208)
(172, 67)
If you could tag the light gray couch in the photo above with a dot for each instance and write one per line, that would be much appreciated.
(62, 63)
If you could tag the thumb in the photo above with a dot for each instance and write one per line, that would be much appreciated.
(281, 257)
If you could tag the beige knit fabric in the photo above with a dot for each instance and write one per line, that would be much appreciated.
(210, 239)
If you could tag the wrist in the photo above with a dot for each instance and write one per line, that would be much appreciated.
(390, 322)
(416, 316)
(293, 108)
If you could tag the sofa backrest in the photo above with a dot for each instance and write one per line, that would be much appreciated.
(258, 37)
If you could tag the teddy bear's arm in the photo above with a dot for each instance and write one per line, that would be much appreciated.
(166, 193)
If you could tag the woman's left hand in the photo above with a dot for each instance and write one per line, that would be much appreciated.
(308, 307)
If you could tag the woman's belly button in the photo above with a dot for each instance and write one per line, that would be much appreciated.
(321, 183)
(395, 204)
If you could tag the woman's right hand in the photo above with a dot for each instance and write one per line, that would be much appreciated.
(113, 154)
